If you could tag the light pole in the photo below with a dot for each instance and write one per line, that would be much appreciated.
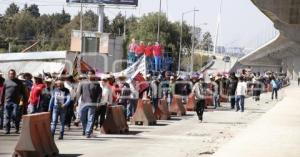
(218, 27)
(158, 25)
(181, 34)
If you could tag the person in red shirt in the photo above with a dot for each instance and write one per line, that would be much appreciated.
(149, 57)
(35, 94)
(140, 49)
(131, 52)
(157, 53)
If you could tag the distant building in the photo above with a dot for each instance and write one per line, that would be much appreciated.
(231, 51)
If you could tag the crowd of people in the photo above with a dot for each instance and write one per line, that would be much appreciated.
(152, 53)
(85, 99)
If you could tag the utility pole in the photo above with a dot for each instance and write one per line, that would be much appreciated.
(218, 28)
(181, 34)
(101, 18)
(124, 33)
(193, 41)
(158, 25)
(180, 44)
(81, 27)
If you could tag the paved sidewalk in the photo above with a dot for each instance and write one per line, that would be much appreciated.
(275, 134)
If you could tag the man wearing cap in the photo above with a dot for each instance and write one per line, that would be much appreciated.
(13, 92)
(59, 102)
(35, 94)
(124, 95)
(199, 90)
(46, 96)
(1, 104)
(90, 92)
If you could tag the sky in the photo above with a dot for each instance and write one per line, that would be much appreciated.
(241, 25)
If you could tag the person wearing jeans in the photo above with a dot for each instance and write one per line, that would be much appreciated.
(275, 87)
(157, 53)
(241, 91)
(90, 92)
(105, 101)
(59, 102)
(13, 93)
(149, 57)
(35, 94)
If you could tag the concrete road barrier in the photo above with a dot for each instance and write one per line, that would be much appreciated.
(36, 139)
(177, 107)
(162, 113)
(115, 122)
(190, 106)
(144, 114)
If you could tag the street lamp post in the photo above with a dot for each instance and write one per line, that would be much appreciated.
(158, 25)
(181, 34)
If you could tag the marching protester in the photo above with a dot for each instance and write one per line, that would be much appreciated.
(241, 92)
(275, 87)
(155, 92)
(60, 100)
(216, 89)
(106, 100)
(134, 96)
(124, 96)
(46, 96)
(199, 90)
(78, 103)
(90, 92)
(13, 92)
(70, 84)
(1, 104)
(35, 94)
(257, 86)
(233, 81)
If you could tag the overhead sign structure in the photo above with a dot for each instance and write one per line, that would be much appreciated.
(112, 2)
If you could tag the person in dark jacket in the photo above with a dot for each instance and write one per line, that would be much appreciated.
(46, 96)
(1, 104)
(91, 93)
(233, 81)
(13, 92)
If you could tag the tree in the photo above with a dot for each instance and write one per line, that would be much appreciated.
(33, 10)
(207, 43)
(117, 25)
(12, 10)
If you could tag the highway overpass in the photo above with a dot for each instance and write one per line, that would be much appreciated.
(282, 53)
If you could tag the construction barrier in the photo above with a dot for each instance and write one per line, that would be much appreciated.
(36, 139)
(162, 112)
(143, 114)
(190, 106)
(115, 122)
(177, 107)
(209, 100)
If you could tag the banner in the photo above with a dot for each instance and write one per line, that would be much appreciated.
(138, 67)
(114, 2)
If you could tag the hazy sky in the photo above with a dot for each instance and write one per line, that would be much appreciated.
(242, 24)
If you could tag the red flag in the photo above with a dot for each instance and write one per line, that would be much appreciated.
(141, 82)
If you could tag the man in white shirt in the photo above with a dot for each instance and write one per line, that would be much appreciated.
(241, 92)
(105, 101)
